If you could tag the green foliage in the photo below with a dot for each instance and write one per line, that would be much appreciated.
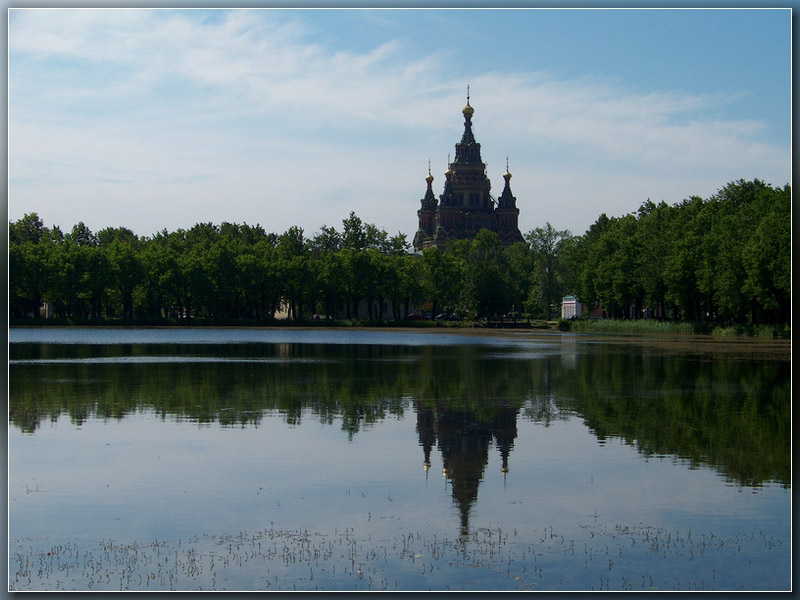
(487, 283)
(548, 276)
(521, 264)
(441, 277)
(725, 262)
(29, 229)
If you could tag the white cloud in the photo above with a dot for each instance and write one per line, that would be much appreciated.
(172, 119)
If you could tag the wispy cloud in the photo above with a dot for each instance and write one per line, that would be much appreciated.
(246, 116)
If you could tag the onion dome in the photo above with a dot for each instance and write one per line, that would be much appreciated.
(507, 199)
(429, 201)
(468, 110)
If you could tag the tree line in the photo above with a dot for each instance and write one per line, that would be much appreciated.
(722, 260)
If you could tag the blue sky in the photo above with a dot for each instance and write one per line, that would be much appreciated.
(156, 119)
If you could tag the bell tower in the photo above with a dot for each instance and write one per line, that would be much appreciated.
(507, 213)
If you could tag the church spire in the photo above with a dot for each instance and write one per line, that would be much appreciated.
(507, 199)
(468, 110)
(468, 138)
(429, 201)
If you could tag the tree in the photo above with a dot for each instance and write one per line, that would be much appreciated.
(441, 276)
(585, 255)
(354, 235)
(29, 247)
(29, 228)
(295, 272)
(326, 241)
(95, 279)
(735, 212)
(106, 236)
(683, 257)
(521, 263)
(610, 270)
(82, 235)
(65, 274)
(354, 275)
(654, 238)
(126, 272)
(376, 286)
(487, 286)
(767, 259)
(548, 287)
(408, 284)
(223, 274)
(330, 283)
(398, 244)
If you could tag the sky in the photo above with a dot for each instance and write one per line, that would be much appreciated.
(161, 119)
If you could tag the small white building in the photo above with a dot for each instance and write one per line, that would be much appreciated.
(571, 308)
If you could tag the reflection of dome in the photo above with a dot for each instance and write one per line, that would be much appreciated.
(463, 439)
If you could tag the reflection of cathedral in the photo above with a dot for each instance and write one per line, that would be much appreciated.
(463, 441)
(466, 206)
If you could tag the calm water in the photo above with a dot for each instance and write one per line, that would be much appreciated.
(241, 459)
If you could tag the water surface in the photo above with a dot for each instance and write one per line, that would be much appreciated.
(354, 460)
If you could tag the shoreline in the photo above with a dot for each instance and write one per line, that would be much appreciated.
(663, 343)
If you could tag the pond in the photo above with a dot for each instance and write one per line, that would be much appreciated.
(269, 459)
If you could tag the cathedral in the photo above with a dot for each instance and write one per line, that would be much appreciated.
(466, 206)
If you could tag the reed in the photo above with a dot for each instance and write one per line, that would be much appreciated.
(655, 327)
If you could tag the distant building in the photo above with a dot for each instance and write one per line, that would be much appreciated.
(571, 308)
(466, 206)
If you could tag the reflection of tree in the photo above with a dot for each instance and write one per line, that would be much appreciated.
(463, 440)
(732, 416)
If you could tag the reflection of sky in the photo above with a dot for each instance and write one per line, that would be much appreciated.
(41, 335)
(171, 476)
(143, 477)
(567, 475)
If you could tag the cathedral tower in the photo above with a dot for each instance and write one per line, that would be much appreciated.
(466, 205)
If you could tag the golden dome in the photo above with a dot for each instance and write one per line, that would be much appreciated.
(468, 110)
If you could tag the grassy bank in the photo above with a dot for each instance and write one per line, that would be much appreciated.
(282, 323)
(654, 327)
(601, 326)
